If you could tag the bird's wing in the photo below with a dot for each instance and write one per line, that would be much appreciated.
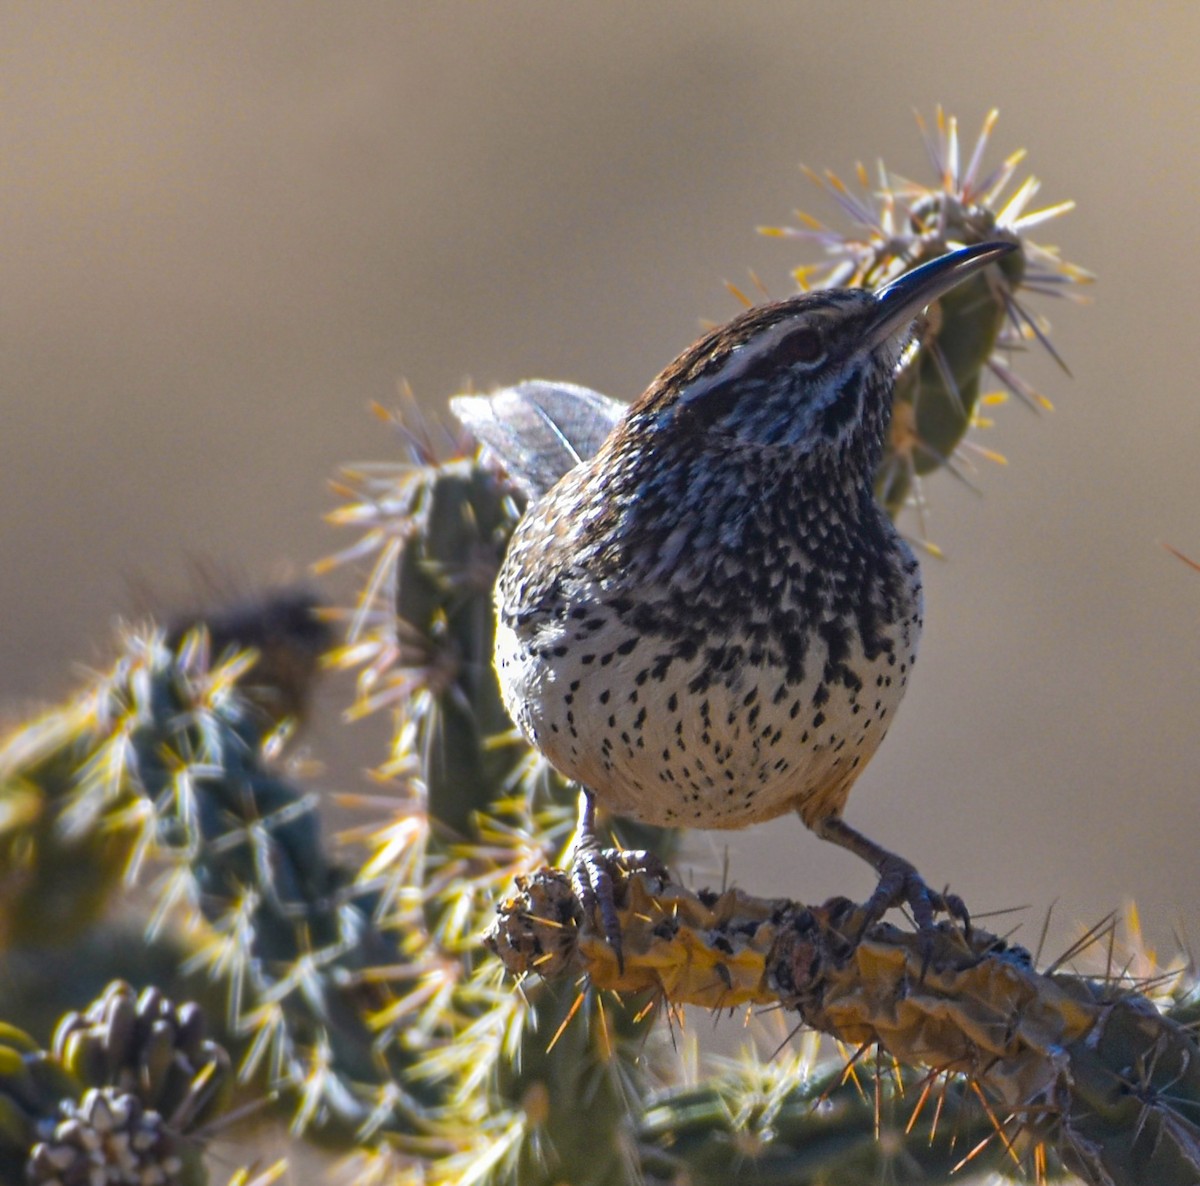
(538, 430)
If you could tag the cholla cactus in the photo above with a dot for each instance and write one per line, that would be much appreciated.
(426, 626)
(1089, 1073)
(360, 991)
(168, 755)
(968, 332)
(74, 813)
(479, 809)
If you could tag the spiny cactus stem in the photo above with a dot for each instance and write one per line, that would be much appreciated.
(1082, 1063)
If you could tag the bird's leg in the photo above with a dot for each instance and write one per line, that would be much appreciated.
(592, 867)
(899, 881)
(591, 877)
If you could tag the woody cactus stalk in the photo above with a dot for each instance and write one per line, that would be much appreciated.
(1086, 1071)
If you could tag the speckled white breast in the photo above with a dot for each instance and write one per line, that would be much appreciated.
(747, 747)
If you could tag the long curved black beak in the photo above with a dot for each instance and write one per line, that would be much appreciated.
(900, 300)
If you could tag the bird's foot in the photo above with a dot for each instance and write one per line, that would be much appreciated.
(899, 882)
(901, 885)
(595, 873)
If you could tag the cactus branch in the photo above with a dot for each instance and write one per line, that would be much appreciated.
(1086, 1068)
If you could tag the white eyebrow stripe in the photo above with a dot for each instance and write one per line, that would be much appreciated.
(739, 359)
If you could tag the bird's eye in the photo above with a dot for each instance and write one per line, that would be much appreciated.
(804, 346)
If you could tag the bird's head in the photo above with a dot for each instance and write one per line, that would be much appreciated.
(810, 373)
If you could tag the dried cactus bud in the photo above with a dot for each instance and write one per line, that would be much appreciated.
(536, 930)
(147, 1046)
(110, 1137)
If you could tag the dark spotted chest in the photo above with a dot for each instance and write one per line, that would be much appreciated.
(725, 641)
(744, 568)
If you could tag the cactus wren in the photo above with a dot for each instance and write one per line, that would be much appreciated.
(709, 621)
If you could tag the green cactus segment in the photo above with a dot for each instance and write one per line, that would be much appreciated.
(523, 1076)
(560, 1060)
(289, 929)
(57, 881)
(72, 813)
(791, 1125)
(460, 519)
(899, 224)
(1134, 1111)
(578, 1075)
(166, 754)
(938, 389)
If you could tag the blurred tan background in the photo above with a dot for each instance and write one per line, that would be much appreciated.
(226, 228)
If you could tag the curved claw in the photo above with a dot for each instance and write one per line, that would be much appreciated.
(595, 872)
(592, 880)
(901, 884)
